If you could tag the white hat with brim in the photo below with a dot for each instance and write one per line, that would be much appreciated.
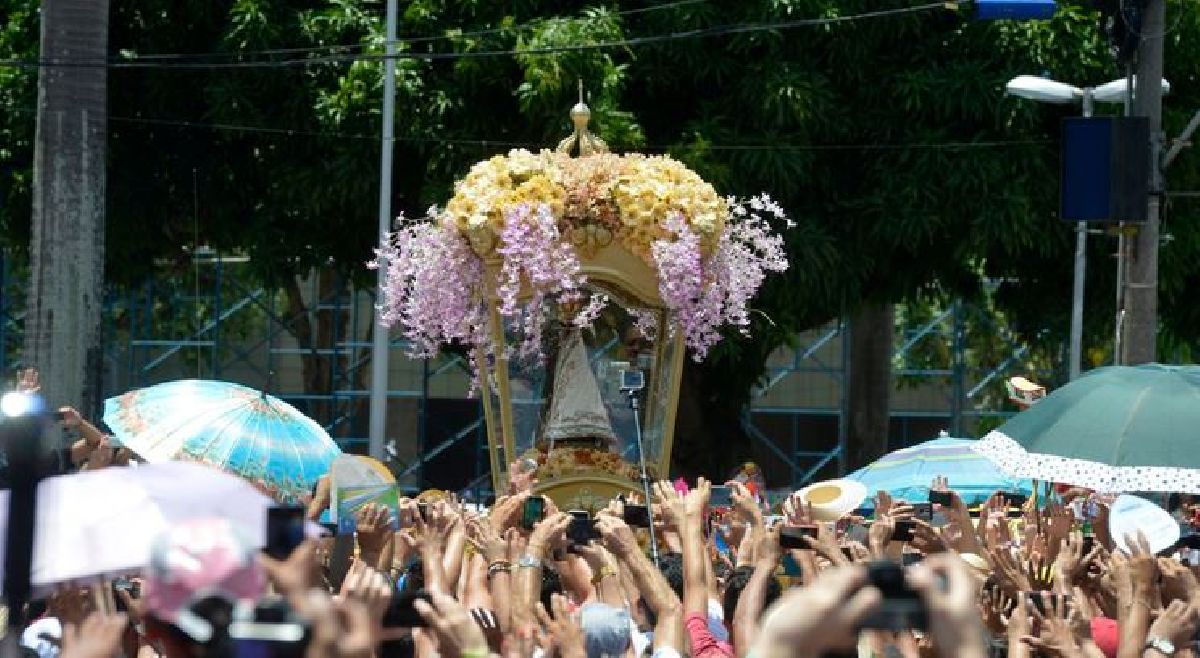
(833, 499)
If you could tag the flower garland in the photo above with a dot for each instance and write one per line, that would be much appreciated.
(711, 254)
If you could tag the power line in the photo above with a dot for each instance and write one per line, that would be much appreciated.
(726, 30)
(400, 42)
(485, 143)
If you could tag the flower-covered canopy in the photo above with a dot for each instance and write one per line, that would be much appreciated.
(542, 261)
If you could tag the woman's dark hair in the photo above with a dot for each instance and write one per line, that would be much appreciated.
(402, 647)
(414, 580)
(738, 579)
(551, 585)
(671, 565)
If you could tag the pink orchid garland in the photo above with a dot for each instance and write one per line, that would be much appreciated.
(434, 285)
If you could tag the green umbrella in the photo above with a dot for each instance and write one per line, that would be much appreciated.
(1114, 429)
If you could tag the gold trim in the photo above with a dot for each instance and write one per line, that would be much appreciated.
(565, 491)
(668, 439)
(499, 469)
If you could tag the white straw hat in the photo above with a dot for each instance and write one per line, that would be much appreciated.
(833, 499)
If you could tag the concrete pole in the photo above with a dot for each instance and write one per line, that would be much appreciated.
(1140, 328)
(1081, 228)
(380, 344)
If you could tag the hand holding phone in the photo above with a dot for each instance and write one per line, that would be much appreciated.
(793, 537)
(923, 511)
(901, 608)
(721, 496)
(943, 498)
(905, 530)
(285, 530)
(533, 511)
(637, 516)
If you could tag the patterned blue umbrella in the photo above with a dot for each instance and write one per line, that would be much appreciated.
(237, 429)
(907, 473)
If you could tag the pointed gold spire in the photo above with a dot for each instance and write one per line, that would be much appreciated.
(582, 142)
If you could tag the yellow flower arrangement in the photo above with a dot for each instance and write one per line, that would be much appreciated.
(625, 197)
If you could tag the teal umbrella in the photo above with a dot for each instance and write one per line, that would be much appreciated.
(907, 473)
(1115, 429)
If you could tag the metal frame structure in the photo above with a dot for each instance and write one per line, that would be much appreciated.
(825, 355)
(237, 329)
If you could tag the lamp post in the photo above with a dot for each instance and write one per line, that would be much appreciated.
(1043, 90)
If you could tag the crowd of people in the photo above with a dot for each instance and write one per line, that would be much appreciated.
(683, 574)
(441, 578)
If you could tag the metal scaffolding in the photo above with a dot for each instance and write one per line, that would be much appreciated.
(938, 388)
(208, 322)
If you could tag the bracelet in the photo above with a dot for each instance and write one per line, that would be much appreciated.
(530, 562)
(499, 566)
(603, 573)
(474, 652)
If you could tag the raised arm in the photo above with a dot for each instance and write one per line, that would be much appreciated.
(654, 589)
(750, 603)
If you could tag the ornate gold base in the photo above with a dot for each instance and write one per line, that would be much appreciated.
(588, 491)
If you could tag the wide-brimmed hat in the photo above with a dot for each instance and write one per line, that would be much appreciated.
(832, 499)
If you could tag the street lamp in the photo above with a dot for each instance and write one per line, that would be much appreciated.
(1044, 90)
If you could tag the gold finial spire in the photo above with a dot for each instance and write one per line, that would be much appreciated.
(582, 142)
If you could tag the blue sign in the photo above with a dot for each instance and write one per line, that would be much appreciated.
(991, 10)
(1087, 169)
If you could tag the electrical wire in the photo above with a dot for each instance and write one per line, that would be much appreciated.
(398, 42)
(718, 31)
(494, 143)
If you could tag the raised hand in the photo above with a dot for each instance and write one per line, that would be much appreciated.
(1177, 623)
(1062, 627)
(549, 532)
(99, 636)
(927, 539)
(563, 636)
(374, 528)
(998, 608)
(948, 590)
(1177, 582)
(369, 587)
(456, 631)
(1008, 573)
(815, 619)
(744, 504)
(617, 536)
(674, 509)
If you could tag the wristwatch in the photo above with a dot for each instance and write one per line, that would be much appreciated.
(1161, 645)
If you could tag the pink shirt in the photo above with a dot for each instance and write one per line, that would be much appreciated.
(704, 645)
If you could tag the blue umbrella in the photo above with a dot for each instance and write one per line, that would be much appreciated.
(907, 473)
(237, 429)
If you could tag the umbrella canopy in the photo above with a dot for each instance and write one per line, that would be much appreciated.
(101, 523)
(907, 473)
(237, 429)
(1115, 429)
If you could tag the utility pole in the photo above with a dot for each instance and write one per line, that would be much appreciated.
(66, 253)
(1140, 327)
(381, 340)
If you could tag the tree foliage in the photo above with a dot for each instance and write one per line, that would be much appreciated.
(889, 140)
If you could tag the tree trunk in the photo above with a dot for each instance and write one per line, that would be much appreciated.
(62, 328)
(319, 339)
(871, 335)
